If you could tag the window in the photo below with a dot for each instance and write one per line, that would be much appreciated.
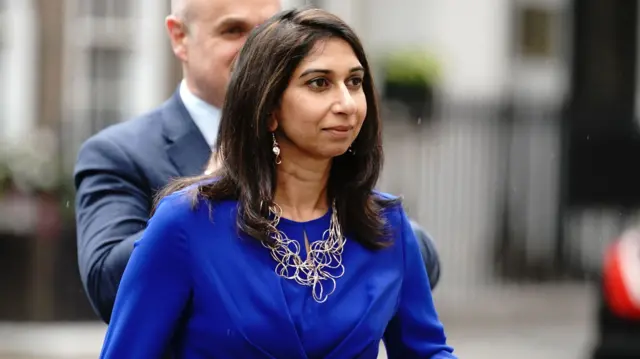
(98, 43)
(110, 53)
(536, 32)
(107, 75)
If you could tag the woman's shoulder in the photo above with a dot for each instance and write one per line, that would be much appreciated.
(185, 217)
(395, 215)
(384, 196)
(392, 209)
(186, 205)
(180, 202)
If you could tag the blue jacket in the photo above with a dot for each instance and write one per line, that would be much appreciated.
(429, 253)
(193, 259)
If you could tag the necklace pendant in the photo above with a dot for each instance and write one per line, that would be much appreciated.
(314, 270)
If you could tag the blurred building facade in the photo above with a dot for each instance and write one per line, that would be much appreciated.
(70, 68)
(526, 174)
(525, 85)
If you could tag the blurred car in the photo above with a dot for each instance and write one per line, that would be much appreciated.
(618, 319)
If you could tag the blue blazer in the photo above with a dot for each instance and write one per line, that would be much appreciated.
(197, 286)
(118, 172)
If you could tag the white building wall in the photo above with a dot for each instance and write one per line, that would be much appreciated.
(545, 80)
(471, 38)
(151, 64)
(19, 69)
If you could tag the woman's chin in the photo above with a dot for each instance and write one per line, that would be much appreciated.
(337, 151)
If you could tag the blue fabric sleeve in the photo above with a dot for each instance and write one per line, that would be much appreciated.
(429, 254)
(112, 209)
(415, 331)
(155, 287)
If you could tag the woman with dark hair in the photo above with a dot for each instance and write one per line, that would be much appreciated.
(285, 251)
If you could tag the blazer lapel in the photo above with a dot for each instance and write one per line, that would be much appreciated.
(186, 147)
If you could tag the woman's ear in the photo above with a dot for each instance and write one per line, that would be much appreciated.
(273, 122)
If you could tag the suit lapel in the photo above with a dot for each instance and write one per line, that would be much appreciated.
(186, 147)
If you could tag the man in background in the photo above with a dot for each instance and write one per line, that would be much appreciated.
(119, 170)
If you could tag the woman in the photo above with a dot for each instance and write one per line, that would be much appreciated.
(285, 251)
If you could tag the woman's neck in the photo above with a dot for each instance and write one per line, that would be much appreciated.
(301, 189)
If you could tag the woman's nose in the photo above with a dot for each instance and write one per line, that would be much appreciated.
(345, 103)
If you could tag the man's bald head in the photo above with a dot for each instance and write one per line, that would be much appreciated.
(206, 36)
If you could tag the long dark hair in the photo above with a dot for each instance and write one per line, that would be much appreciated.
(247, 170)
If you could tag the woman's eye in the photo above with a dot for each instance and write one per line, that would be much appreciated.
(355, 82)
(318, 83)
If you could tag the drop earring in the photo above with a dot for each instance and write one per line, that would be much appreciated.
(276, 149)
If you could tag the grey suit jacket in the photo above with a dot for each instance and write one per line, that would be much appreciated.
(429, 253)
(117, 173)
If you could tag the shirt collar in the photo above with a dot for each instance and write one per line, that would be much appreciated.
(205, 116)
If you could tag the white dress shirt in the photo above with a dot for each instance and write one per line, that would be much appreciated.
(205, 116)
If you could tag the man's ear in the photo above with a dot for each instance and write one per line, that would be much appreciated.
(177, 31)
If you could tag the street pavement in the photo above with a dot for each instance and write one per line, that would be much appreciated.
(523, 323)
